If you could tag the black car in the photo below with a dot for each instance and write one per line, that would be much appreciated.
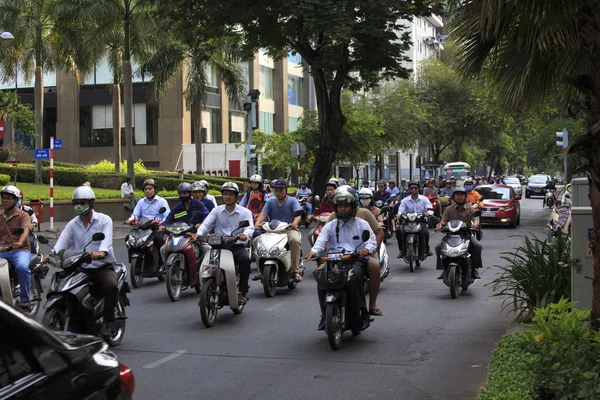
(36, 363)
(536, 185)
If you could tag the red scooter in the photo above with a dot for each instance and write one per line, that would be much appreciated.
(181, 268)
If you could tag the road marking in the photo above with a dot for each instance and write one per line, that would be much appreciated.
(274, 306)
(403, 279)
(163, 360)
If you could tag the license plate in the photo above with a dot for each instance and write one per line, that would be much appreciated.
(488, 214)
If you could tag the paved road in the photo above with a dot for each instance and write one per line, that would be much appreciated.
(426, 346)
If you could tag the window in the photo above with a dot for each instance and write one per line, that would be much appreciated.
(265, 82)
(295, 90)
(266, 122)
(14, 363)
(212, 79)
(152, 125)
(211, 126)
(294, 58)
(95, 126)
(490, 193)
(237, 124)
(293, 124)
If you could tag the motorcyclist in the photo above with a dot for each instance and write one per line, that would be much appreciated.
(346, 232)
(566, 197)
(420, 204)
(77, 234)
(447, 190)
(256, 198)
(381, 194)
(453, 181)
(304, 191)
(199, 192)
(208, 195)
(430, 189)
(19, 247)
(285, 209)
(149, 206)
(473, 196)
(365, 183)
(392, 189)
(365, 198)
(326, 205)
(463, 211)
(184, 210)
(34, 222)
(223, 221)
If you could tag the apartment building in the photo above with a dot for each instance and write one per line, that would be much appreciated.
(81, 116)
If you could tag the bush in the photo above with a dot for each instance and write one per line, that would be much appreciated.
(4, 179)
(109, 166)
(538, 273)
(3, 155)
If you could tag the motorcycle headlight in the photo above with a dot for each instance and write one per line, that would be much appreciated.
(141, 240)
(215, 240)
(176, 230)
(335, 256)
(412, 217)
(130, 241)
(274, 251)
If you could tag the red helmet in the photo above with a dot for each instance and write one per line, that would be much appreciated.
(430, 180)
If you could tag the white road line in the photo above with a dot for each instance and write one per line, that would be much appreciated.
(274, 306)
(163, 360)
(403, 279)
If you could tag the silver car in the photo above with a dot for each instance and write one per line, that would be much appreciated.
(514, 183)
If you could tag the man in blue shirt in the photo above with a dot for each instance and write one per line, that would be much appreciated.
(448, 190)
(305, 192)
(225, 219)
(199, 192)
(381, 194)
(285, 209)
(414, 203)
(392, 189)
(148, 207)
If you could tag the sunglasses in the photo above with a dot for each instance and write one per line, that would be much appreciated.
(79, 202)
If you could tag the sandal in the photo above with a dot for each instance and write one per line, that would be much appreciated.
(257, 277)
(242, 299)
(375, 311)
(298, 277)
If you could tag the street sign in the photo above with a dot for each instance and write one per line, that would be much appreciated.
(41, 154)
(298, 149)
(57, 144)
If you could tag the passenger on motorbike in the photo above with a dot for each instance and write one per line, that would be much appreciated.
(326, 205)
(184, 210)
(223, 221)
(284, 208)
(419, 204)
(77, 234)
(381, 194)
(463, 211)
(566, 197)
(392, 189)
(365, 198)
(19, 252)
(345, 231)
(365, 183)
(209, 196)
(256, 198)
(453, 181)
(33, 220)
(149, 206)
(304, 191)
(199, 192)
(430, 189)
(473, 196)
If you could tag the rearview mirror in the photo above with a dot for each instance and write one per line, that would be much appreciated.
(162, 210)
(17, 231)
(244, 224)
(365, 235)
(127, 208)
(317, 198)
(30, 212)
(43, 239)
(98, 237)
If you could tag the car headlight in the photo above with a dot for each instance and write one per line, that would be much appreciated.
(508, 208)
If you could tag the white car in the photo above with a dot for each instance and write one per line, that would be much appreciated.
(514, 183)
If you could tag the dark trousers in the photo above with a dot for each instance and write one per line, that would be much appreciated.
(423, 238)
(474, 249)
(356, 294)
(242, 261)
(106, 284)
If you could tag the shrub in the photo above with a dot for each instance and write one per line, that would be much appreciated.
(109, 166)
(4, 179)
(3, 155)
(537, 274)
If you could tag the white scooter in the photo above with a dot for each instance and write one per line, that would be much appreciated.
(274, 259)
(384, 261)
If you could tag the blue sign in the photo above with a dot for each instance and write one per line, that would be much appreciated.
(57, 144)
(41, 154)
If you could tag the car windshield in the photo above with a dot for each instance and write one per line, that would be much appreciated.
(494, 193)
(512, 180)
(537, 179)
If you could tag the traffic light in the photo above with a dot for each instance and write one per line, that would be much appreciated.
(563, 138)
(251, 152)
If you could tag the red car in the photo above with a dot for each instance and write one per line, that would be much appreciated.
(500, 205)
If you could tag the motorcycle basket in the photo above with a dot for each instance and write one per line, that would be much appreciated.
(331, 279)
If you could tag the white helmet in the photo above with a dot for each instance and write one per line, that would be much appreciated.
(256, 178)
(205, 183)
(13, 190)
(365, 192)
(83, 193)
(230, 186)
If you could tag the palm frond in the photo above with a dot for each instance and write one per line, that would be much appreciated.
(163, 67)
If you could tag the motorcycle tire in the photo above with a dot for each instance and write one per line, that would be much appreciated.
(332, 326)
(55, 319)
(120, 315)
(410, 257)
(268, 280)
(293, 285)
(452, 282)
(35, 294)
(136, 271)
(208, 306)
(174, 278)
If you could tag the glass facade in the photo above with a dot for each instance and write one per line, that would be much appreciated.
(294, 58)
(293, 124)
(266, 122)
(295, 90)
(265, 82)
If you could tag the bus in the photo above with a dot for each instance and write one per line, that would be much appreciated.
(460, 170)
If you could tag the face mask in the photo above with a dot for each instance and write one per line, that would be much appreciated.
(81, 209)
(414, 190)
(468, 188)
(183, 199)
(365, 202)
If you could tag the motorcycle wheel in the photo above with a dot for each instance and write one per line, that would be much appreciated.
(333, 328)
(55, 319)
(410, 256)
(136, 271)
(120, 316)
(293, 285)
(452, 281)
(208, 304)
(268, 280)
(35, 294)
(174, 277)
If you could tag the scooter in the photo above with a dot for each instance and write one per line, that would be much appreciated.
(341, 311)
(549, 198)
(384, 262)
(560, 221)
(144, 256)
(411, 225)
(73, 303)
(386, 215)
(314, 233)
(304, 221)
(274, 259)
(219, 284)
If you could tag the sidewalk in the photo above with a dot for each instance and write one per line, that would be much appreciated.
(120, 230)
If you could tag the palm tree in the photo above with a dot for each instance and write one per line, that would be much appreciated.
(222, 55)
(530, 47)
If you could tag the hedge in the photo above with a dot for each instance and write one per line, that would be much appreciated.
(4, 179)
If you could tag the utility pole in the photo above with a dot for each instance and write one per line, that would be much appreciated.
(564, 143)
(251, 108)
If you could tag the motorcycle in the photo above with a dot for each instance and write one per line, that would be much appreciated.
(549, 198)
(411, 225)
(304, 221)
(144, 256)
(560, 221)
(456, 260)
(477, 233)
(341, 312)
(384, 262)
(386, 215)
(10, 290)
(219, 279)
(73, 303)
(274, 259)
(435, 205)
(182, 265)
(314, 233)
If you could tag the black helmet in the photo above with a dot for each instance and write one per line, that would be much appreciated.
(184, 187)
(414, 182)
(459, 189)
(381, 183)
(302, 182)
(344, 197)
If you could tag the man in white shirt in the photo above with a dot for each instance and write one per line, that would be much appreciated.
(346, 232)
(411, 204)
(209, 196)
(224, 220)
(127, 192)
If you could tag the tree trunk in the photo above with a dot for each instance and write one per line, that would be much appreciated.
(128, 104)
(116, 124)
(196, 110)
(39, 118)
(595, 203)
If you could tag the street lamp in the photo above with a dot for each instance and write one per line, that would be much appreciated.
(6, 36)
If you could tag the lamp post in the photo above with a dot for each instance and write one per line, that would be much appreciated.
(6, 36)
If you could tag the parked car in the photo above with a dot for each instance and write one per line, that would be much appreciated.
(514, 183)
(36, 363)
(536, 185)
(522, 178)
(500, 205)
